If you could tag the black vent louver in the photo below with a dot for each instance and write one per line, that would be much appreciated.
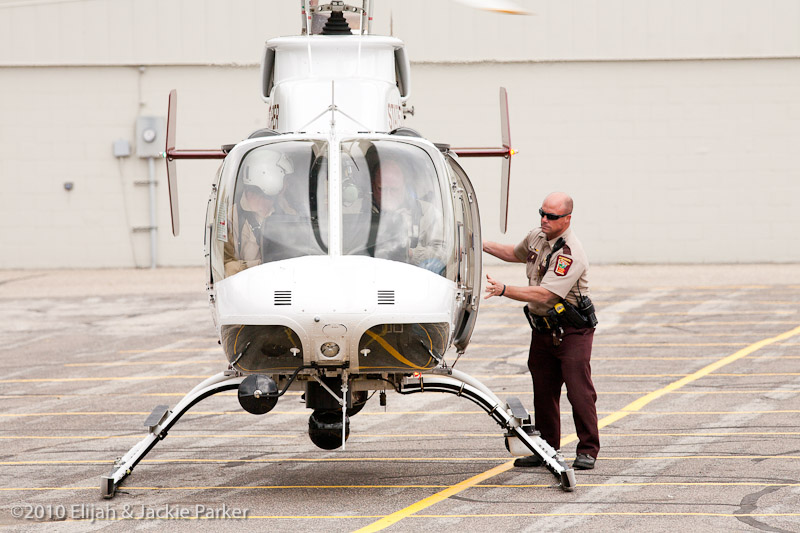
(385, 297)
(283, 297)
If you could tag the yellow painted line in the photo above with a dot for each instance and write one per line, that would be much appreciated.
(770, 312)
(526, 347)
(392, 413)
(463, 485)
(693, 323)
(250, 517)
(480, 485)
(666, 303)
(393, 435)
(140, 436)
(625, 411)
(679, 334)
(705, 434)
(275, 460)
(704, 413)
(622, 345)
(125, 378)
(393, 518)
(114, 395)
(666, 344)
(674, 358)
(666, 484)
(173, 350)
(303, 412)
(147, 363)
(703, 372)
(696, 392)
(527, 377)
(601, 513)
(468, 358)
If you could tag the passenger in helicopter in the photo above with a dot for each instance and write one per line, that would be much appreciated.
(263, 182)
(407, 228)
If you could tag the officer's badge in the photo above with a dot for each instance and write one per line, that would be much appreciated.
(562, 265)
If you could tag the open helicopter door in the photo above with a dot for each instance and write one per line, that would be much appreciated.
(171, 154)
(505, 152)
(469, 250)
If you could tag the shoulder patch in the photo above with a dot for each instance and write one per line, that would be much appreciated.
(562, 265)
(567, 249)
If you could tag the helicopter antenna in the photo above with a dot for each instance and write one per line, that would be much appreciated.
(333, 106)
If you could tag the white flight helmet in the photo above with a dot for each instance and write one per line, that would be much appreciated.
(266, 169)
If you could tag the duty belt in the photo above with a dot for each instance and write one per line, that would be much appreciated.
(538, 323)
(543, 324)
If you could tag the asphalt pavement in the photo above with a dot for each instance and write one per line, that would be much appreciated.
(697, 369)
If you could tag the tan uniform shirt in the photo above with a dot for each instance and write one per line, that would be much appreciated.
(566, 275)
(238, 256)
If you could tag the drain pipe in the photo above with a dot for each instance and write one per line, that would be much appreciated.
(151, 184)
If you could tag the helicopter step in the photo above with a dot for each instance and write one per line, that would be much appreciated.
(514, 418)
(159, 423)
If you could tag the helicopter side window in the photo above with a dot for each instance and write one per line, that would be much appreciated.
(279, 207)
(392, 205)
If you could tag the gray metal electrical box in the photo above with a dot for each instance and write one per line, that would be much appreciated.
(122, 148)
(150, 136)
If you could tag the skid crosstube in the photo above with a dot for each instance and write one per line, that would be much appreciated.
(461, 384)
(159, 422)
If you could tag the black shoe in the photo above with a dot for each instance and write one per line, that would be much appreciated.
(529, 461)
(583, 462)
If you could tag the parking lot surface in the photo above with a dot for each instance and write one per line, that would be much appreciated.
(697, 369)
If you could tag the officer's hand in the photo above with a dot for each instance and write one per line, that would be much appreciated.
(493, 288)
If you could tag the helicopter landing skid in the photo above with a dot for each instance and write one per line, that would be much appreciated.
(512, 417)
(159, 423)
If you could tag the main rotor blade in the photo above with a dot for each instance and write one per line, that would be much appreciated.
(498, 6)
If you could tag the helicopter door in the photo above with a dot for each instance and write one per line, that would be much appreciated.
(469, 251)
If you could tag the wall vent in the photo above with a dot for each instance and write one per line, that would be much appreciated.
(385, 297)
(283, 297)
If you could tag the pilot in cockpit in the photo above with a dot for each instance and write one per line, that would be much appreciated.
(409, 230)
(261, 180)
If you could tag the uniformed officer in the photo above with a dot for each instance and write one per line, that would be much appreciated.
(560, 348)
(262, 180)
(410, 230)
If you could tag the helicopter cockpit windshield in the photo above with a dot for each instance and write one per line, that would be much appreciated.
(279, 207)
(392, 205)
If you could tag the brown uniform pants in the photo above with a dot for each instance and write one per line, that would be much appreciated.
(551, 367)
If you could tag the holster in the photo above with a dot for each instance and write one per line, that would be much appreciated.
(562, 314)
(569, 315)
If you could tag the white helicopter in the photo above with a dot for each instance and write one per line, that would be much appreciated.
(344, 250)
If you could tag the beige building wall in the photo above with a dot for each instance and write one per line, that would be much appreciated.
(675, 125)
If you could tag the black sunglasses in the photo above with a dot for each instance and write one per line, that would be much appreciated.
(551, 216)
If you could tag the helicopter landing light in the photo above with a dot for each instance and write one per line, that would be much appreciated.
(329, 349)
